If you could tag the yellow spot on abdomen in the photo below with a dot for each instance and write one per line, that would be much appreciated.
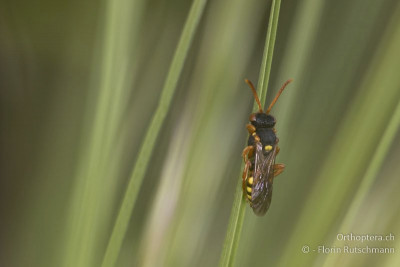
(249, 189)
(249, 197)
(268, 148)
(250, 180)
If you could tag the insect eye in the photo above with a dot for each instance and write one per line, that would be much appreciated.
(252, 117)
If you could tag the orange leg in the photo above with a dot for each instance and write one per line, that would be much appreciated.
(244, 175)
(278, 169)
(277, 150)
(250, 128)
(247, 151)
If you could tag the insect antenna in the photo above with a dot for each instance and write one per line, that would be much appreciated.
(277, 95)
(254, 93)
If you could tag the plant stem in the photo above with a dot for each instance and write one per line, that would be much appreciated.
(265, 69)
(140, 167)
(237, 215)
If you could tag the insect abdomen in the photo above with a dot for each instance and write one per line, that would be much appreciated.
(249, 185)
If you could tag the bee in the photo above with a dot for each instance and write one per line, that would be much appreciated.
(259, 156)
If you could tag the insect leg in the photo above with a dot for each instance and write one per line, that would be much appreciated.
(278, 169)
(250, 128)
(247, 151)
(277, 150)
(244, 175)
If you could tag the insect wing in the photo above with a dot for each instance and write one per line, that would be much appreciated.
(258, 158)
(263, 178)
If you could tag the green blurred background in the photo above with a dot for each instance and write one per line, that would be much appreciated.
(80, 82)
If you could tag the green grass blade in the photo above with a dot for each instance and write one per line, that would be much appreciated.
(373, 169)
(368, 179)
(108, 86)
(351, 156)
(237, 215)
(265, 69)
(234, 227)
(140, 167)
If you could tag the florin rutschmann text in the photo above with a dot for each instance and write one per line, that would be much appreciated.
(371, 244)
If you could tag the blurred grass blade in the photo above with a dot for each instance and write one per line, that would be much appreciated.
(118, 33)
(238, 209)
(352, 148)
(394, 259)
(366, 184)
(166, 200)
(374, 167)
(148, 143)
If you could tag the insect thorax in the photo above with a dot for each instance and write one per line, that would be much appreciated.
(267, 137)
